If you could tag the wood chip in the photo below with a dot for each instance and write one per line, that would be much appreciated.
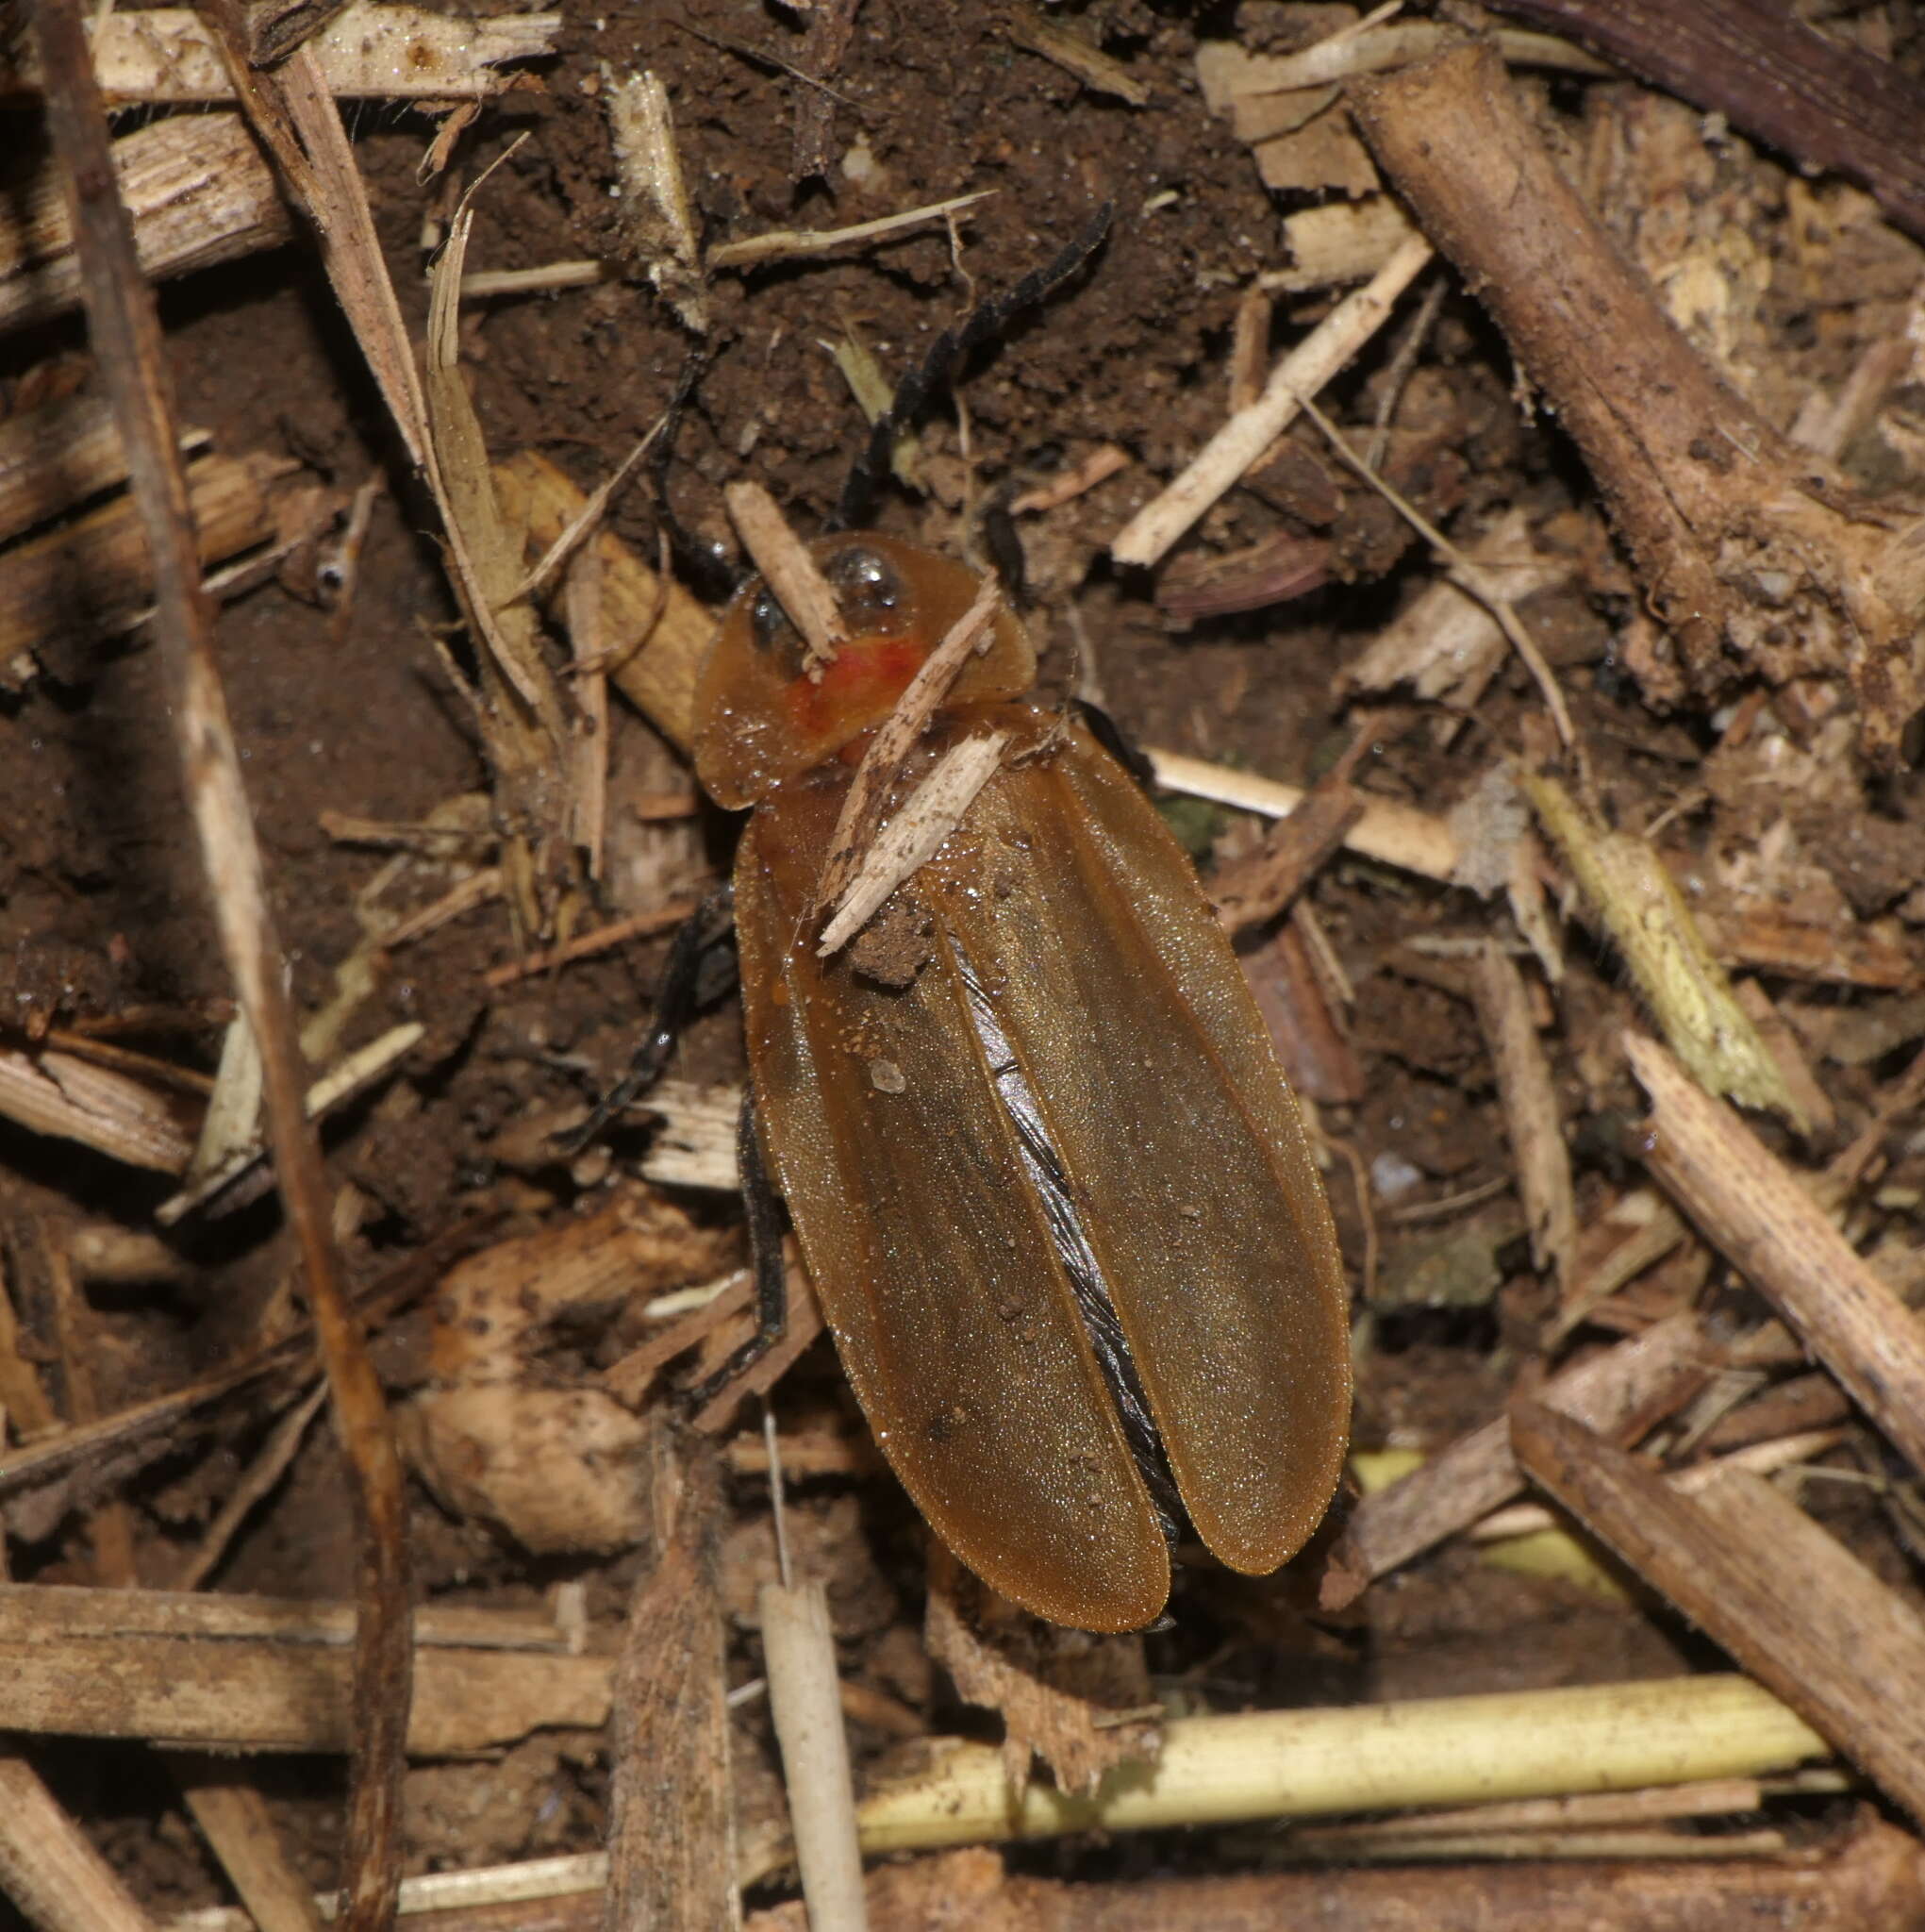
(1075, 55)
(1630, 1384)
(915, 834)
(1247, 435)
(793, 575)
(197, 188)
(58, 1093)
(655, 199)
(861, 810)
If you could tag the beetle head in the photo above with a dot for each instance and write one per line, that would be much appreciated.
(765, 712)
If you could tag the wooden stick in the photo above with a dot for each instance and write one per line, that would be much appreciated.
(659, 677)
(195, 187)
(241, 1694)
(236, 1821)
(1753, 1210)
(1760, 1458)
(1756, 554)
(1399, 835)
(258, 1480)
(671, 1851)
(125, 331)
(48, 1867)
(1836, 1646)
(1243, 438)
(790, 244)
(168, 55)
(73, 1614)
(1531, 1114)
(603, 939)
(1478, 1473)
(1829, 105)
(1868, 1874)
(1255, 888)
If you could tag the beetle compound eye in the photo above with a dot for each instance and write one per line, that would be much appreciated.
(868, 588)
(768, 623)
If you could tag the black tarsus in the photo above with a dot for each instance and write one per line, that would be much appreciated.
(762, 1211)
(676, 1001)
(986, 320)
(1004, 546)
(1117, 743)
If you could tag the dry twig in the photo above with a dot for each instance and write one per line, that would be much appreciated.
(1756, 1212)
(671, 1853)
(1247, 435)
(1835, 1648)
(801, 244)
(1530, 1111)
(126, 340)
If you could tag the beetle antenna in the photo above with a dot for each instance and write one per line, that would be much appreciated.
(986, 321)
(710, 573)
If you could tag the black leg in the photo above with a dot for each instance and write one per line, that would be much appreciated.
(1122, 748)
(675, 1002)
(763, 1213)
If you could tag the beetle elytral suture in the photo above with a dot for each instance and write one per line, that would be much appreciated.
(1050, 1186)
